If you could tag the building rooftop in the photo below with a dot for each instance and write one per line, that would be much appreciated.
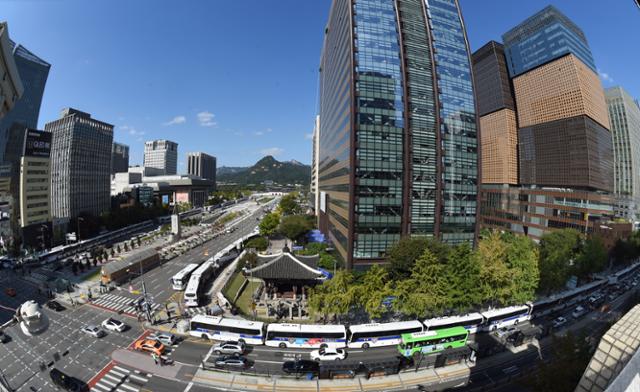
(132, 259)
(286, 266)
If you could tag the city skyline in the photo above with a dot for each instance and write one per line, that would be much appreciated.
(212, 110)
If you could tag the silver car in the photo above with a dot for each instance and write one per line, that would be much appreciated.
(93, 331)
(165, 338)
(230, 347)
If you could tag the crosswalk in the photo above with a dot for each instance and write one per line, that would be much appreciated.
(121, 379)
(194, 311)
(119, 303)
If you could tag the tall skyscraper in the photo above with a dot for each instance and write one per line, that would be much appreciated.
(545, 36)
(398, 139)
(161, 155)
(119, 158)
(624, 114)
(80, 164)
(11, 87)
(315, 148)
(564, 175)
(33, 73)
(201, 165)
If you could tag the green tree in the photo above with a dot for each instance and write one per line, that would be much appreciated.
(522, 260)
(289, 204)
(592, 258)
(558, 251)
(403, 254)
(375, 286)
(424, 292)
(295, 227)
(495, 277)
(463, 278)
(334, 296)
(259, 243)
(269, 224)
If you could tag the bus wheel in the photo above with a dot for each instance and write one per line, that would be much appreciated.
(516, 322)
(205, 337)
(324, 345)
(282, 345)
(365, 345)
(241, 341)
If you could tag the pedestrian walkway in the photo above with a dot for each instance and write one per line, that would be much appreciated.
(194, 311)
(120, 304)
(120, 378)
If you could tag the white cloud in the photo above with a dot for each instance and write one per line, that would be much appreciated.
(258, 133)
(176, 120)
(308, 136)
(274, 151)
(132, 130)
(605, 76)
(206, 119)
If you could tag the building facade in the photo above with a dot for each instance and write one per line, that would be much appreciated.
(564, 173)
(398, 139)
(80, 164)
(33, 72)
(201, 165)
(624, 114)
(11, 87)
(119, 158)
(315, 149)
(161, 155)
(545, 36)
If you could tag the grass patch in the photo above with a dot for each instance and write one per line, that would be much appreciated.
(244, 301)
(229, 217)
(233, 287)
(265, 200)
(94, 276)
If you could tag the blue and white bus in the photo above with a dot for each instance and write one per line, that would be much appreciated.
(471, 322)
(378, 335)
(504, 317)
(179, 280)
(195, 288)
(220, 328)
(306, 336)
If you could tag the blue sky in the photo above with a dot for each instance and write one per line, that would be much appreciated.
(238, 79)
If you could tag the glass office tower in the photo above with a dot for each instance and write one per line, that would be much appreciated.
(544, 36)
(398, 139)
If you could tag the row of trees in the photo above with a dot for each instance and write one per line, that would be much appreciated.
(425, 277)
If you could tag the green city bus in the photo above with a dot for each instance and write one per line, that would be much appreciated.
(433, 341)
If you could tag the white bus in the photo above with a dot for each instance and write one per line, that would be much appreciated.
(306, 335)
(179, 280)
(219, 328)
(471, 322)
(197, 282)
(498, 318)
(378, 335)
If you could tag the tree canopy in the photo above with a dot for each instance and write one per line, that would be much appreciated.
(269, 224)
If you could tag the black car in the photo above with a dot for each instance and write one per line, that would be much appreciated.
(67, 383)
(231, 362)
(301, 366)
(55, 305)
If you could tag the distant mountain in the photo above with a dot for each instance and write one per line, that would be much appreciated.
(267, 169)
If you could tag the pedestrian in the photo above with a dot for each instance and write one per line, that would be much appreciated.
(155, 358)
(161, 360)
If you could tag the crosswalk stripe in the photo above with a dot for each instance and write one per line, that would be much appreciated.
(126, 386)
(142, 379)
(106, 382)
(100, 388)
(117, 379)
(121, 375)
(122, 369)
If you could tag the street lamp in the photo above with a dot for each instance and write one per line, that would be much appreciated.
(147, 305)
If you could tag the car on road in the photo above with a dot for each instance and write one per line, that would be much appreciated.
(10, 291)
(579, 312)
(93, 331)
(231, 362)
(559, 322)
(55, 305)
(163, 337)
(328, 354)
(505, 331)
(230, 347)
(300, 366)
(112, 324)
(149, 345)
(67, 383)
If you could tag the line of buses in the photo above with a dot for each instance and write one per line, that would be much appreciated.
(430, 336)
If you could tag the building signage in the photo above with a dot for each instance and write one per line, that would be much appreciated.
(37, 144)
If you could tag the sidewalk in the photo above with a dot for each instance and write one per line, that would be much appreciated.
(145, 363)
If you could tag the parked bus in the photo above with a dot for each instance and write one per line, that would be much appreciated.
(498, 318)
(378, 335)
(306, 335)
(180, 280)
(430, 342)
(219, 328)
(194, 291)
(471, 322)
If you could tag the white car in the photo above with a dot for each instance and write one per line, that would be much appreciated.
(505, 331)
(93, 331)
(579, 312)
(328, 354)
(559, 322)
(165, 338)
(112, 324)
